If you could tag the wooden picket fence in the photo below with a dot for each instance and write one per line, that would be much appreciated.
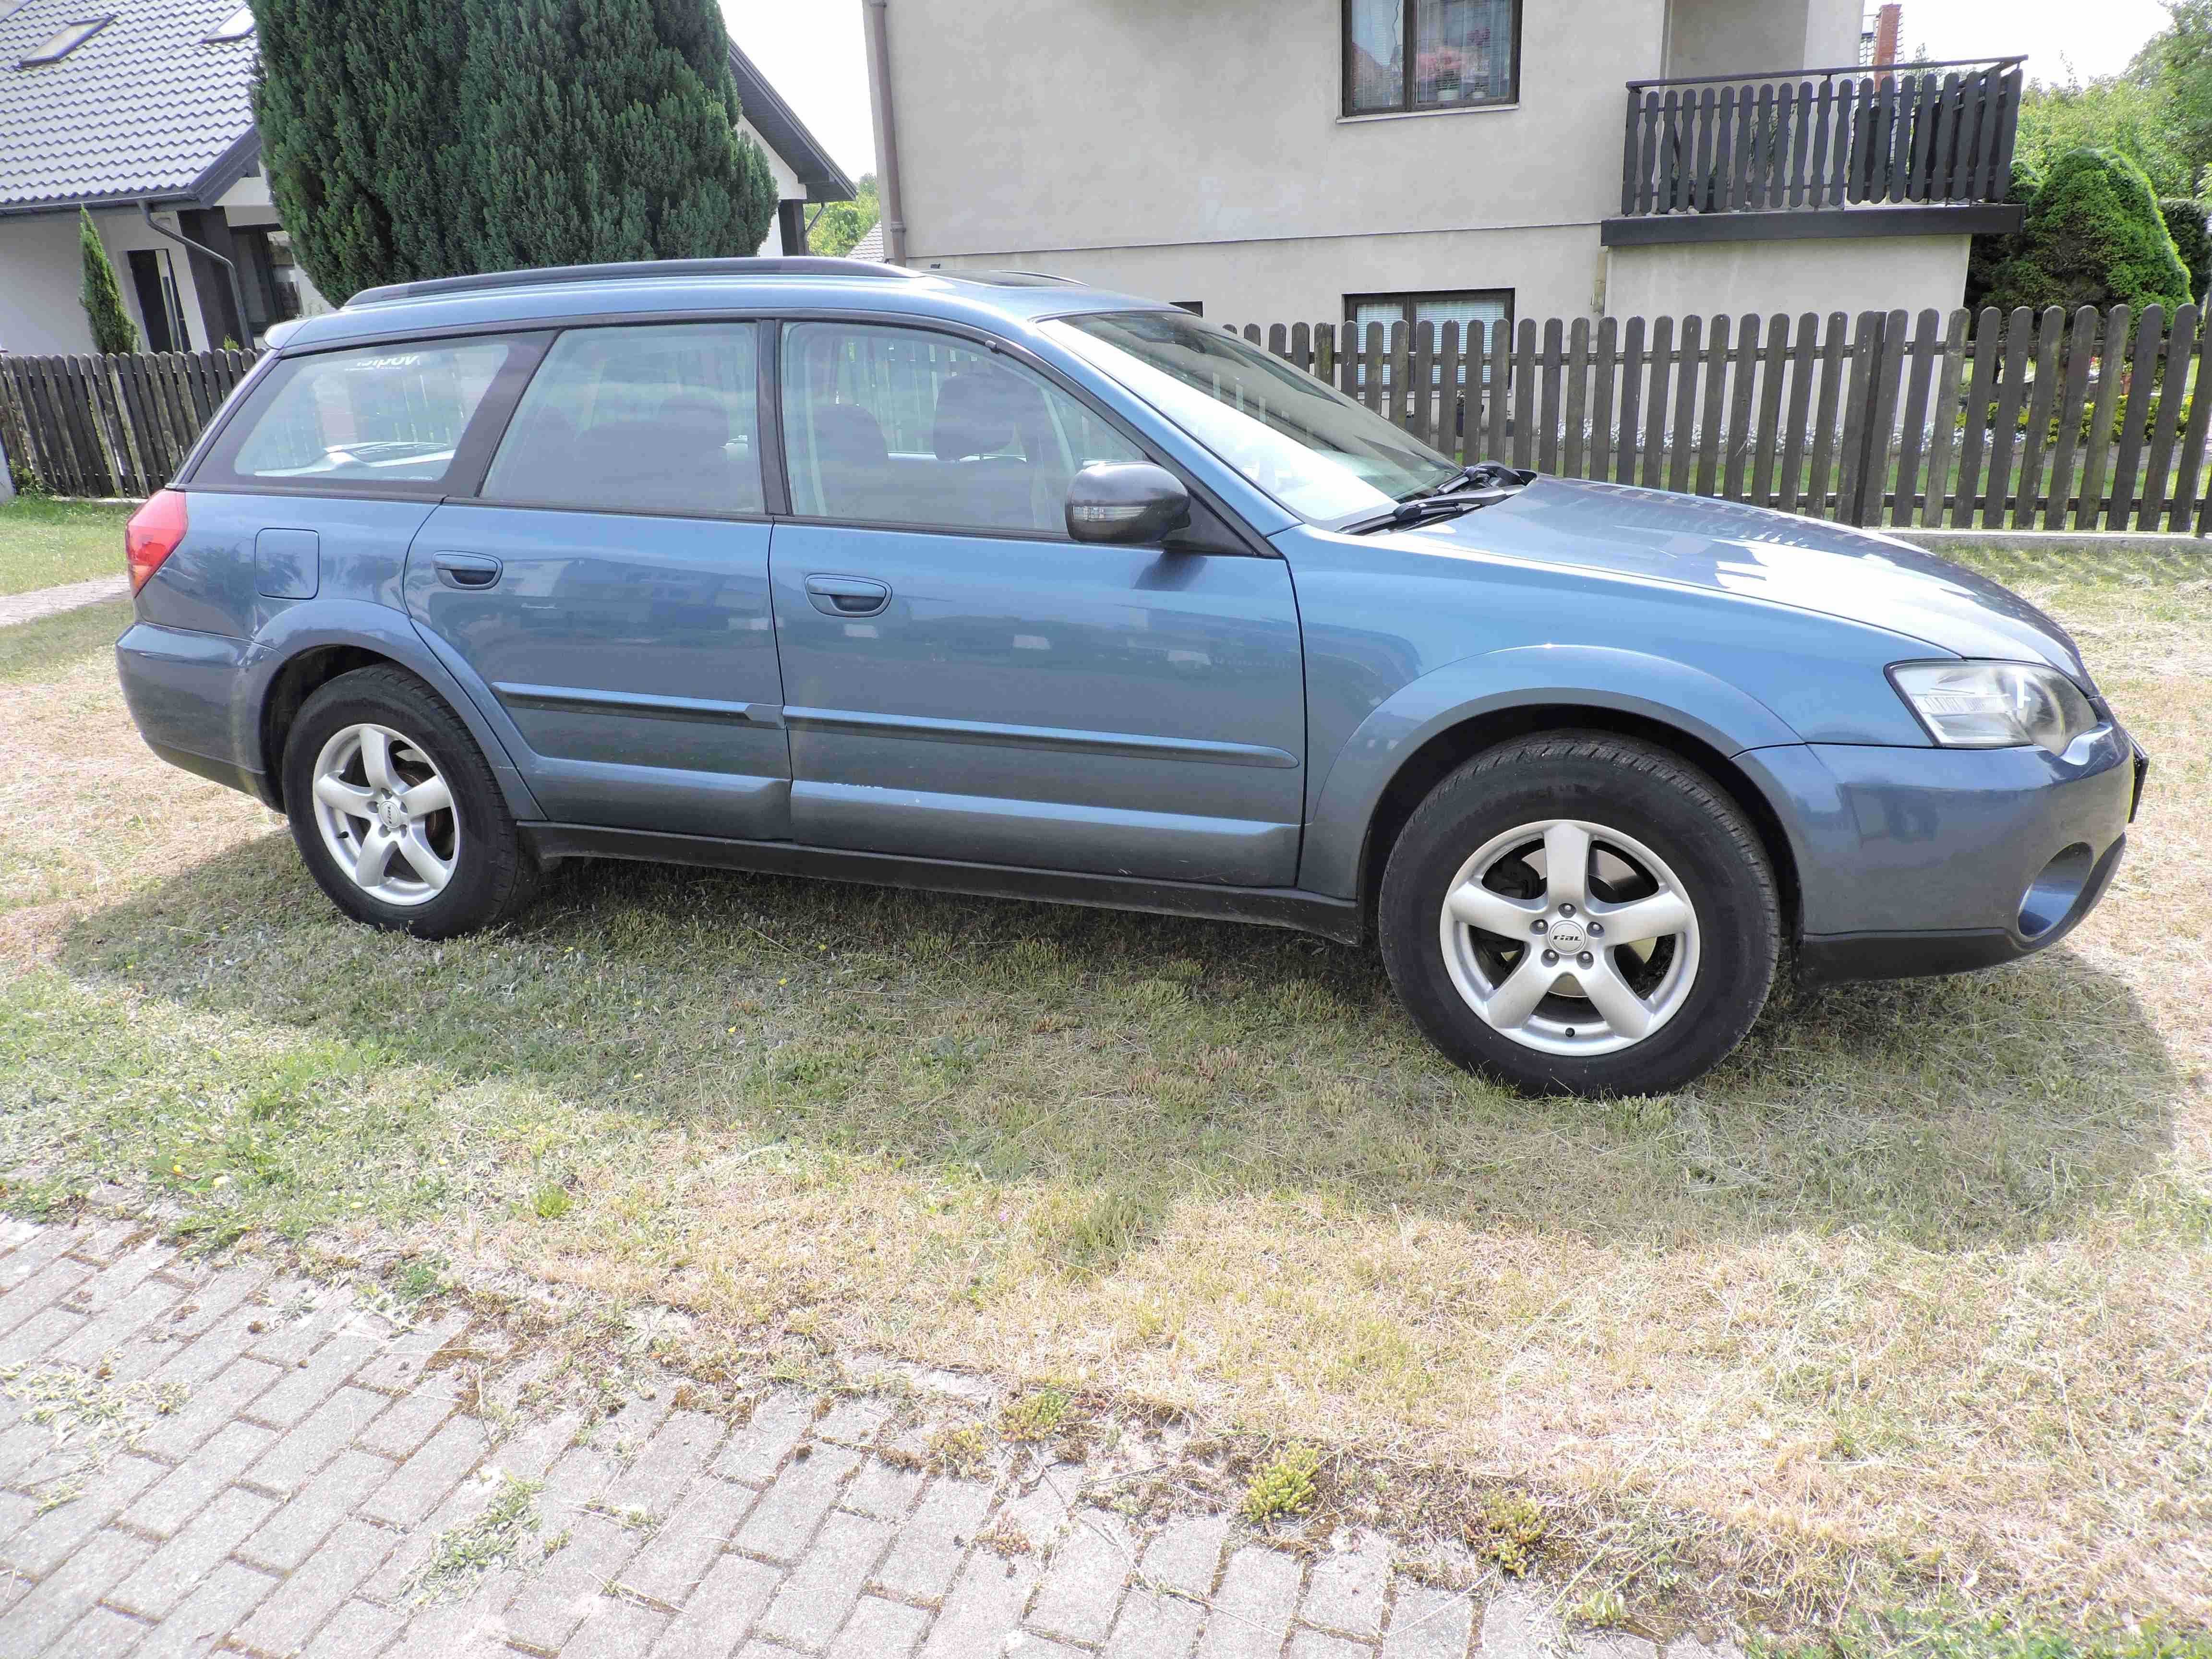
(2087, 421)
(2026, 421)
(111, 426)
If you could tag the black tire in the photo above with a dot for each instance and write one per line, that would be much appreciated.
(494, 874)
(1642, 791)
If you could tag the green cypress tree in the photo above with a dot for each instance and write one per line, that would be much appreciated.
(2094, 237)
(601, 130)
(112, 330)
(358, 102)
(2184, 222)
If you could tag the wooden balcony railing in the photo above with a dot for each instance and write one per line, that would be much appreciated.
(1811, 139)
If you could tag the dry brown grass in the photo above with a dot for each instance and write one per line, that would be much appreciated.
(1916, 1290)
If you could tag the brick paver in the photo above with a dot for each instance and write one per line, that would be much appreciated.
(309, 1455)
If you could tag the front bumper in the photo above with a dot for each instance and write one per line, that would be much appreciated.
(1938, 861)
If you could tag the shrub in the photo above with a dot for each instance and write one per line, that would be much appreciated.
(2093, 237)
(2184, 222)
(112, 330)
(1987, 254)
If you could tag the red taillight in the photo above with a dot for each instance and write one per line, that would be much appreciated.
(153, 534)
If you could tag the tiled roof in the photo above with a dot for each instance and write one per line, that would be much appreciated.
(148, 107)
(142, 109)
(870, 247)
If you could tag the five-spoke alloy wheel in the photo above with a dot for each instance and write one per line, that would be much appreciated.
(396, 810)
(1570, 937)
(1581, 913)
(387, 815)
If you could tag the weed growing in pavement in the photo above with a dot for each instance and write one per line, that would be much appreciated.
(1284, 1485)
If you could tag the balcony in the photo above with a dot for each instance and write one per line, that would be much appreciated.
(1917, 149)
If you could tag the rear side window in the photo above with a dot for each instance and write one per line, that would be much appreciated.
(390, 416)
(661, 419)
(889, 425)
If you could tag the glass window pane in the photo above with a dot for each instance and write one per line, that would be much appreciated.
(902, 426)
(1313, 449)
(1377, 45)
(662, 419)
(1465, 52)
(387, 414)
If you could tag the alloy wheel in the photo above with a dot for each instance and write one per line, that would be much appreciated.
(1570, 937)
(386, 814)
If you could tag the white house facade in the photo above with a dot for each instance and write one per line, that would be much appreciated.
(1281, 161)
(146, 121)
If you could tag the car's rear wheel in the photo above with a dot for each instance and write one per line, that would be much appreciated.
(396, 812)
(1580, 914)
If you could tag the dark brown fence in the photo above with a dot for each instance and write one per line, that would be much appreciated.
(1821, 138)
(110, 426)
(2052, 422)
(2087, 421)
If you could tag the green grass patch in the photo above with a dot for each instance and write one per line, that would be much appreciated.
(44, 543)
(1283, 1485)
(34, 651)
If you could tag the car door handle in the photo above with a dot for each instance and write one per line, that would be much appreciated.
(465, 569)
(847, 596)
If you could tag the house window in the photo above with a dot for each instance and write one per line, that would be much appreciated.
(236, 27)
(1477, 312)
(1403, 55)
(64, 41)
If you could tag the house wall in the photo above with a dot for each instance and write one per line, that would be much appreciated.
(787, 188)
(41, 272)
(1199, 152)
(1885, 273)
(1552, 272)
(1744, 37)
(1161, 132)
(39, 275)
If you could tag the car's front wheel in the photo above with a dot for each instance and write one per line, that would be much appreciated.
(396, 812)
(1580, 914)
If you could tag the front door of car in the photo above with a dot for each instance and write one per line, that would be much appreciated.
(962, 681)
(608, 589)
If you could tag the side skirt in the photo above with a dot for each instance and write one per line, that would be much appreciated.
(1341, 919)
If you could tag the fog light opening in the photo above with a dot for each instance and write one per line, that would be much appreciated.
(2051, 898)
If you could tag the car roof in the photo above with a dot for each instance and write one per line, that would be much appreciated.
(639, 291)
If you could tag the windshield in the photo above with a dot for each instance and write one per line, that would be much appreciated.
(1312, 448)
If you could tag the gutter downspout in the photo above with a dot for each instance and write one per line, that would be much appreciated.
(891, 198)
(230, 269)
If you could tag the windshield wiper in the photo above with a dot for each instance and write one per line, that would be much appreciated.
(1424, 508)
(1476, 475)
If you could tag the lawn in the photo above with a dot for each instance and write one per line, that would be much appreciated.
(1909, 1304)
(46, 543)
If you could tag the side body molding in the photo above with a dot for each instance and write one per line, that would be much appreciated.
(1522, 677)
(368, 626)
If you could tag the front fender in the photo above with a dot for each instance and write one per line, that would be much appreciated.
(315, 624)
(1670, 693)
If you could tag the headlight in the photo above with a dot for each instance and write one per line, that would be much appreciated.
(1994, 705)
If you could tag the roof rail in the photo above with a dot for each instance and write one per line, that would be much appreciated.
(803, 265)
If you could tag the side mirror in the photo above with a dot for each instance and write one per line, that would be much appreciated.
(1130, 502)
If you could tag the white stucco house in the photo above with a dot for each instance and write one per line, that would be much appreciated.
(140, 111)
(1288, 161)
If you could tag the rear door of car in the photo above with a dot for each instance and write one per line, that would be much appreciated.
(965, 682)
(608, 587)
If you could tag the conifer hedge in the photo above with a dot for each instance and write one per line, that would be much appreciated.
(413, 138)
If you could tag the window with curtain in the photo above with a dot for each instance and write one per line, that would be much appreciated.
(1476, 312)
(1406, 55)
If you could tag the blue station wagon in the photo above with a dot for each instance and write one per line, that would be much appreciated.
(999, 585)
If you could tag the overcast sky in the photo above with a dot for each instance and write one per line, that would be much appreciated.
(2097, 38)
(812, 50)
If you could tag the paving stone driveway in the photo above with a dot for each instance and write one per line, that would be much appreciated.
(256, 1474)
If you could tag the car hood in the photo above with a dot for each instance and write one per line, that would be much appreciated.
(1728, 548)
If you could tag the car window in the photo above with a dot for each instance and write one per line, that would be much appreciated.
(662, 419)
(904, 425)
(383, 414)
